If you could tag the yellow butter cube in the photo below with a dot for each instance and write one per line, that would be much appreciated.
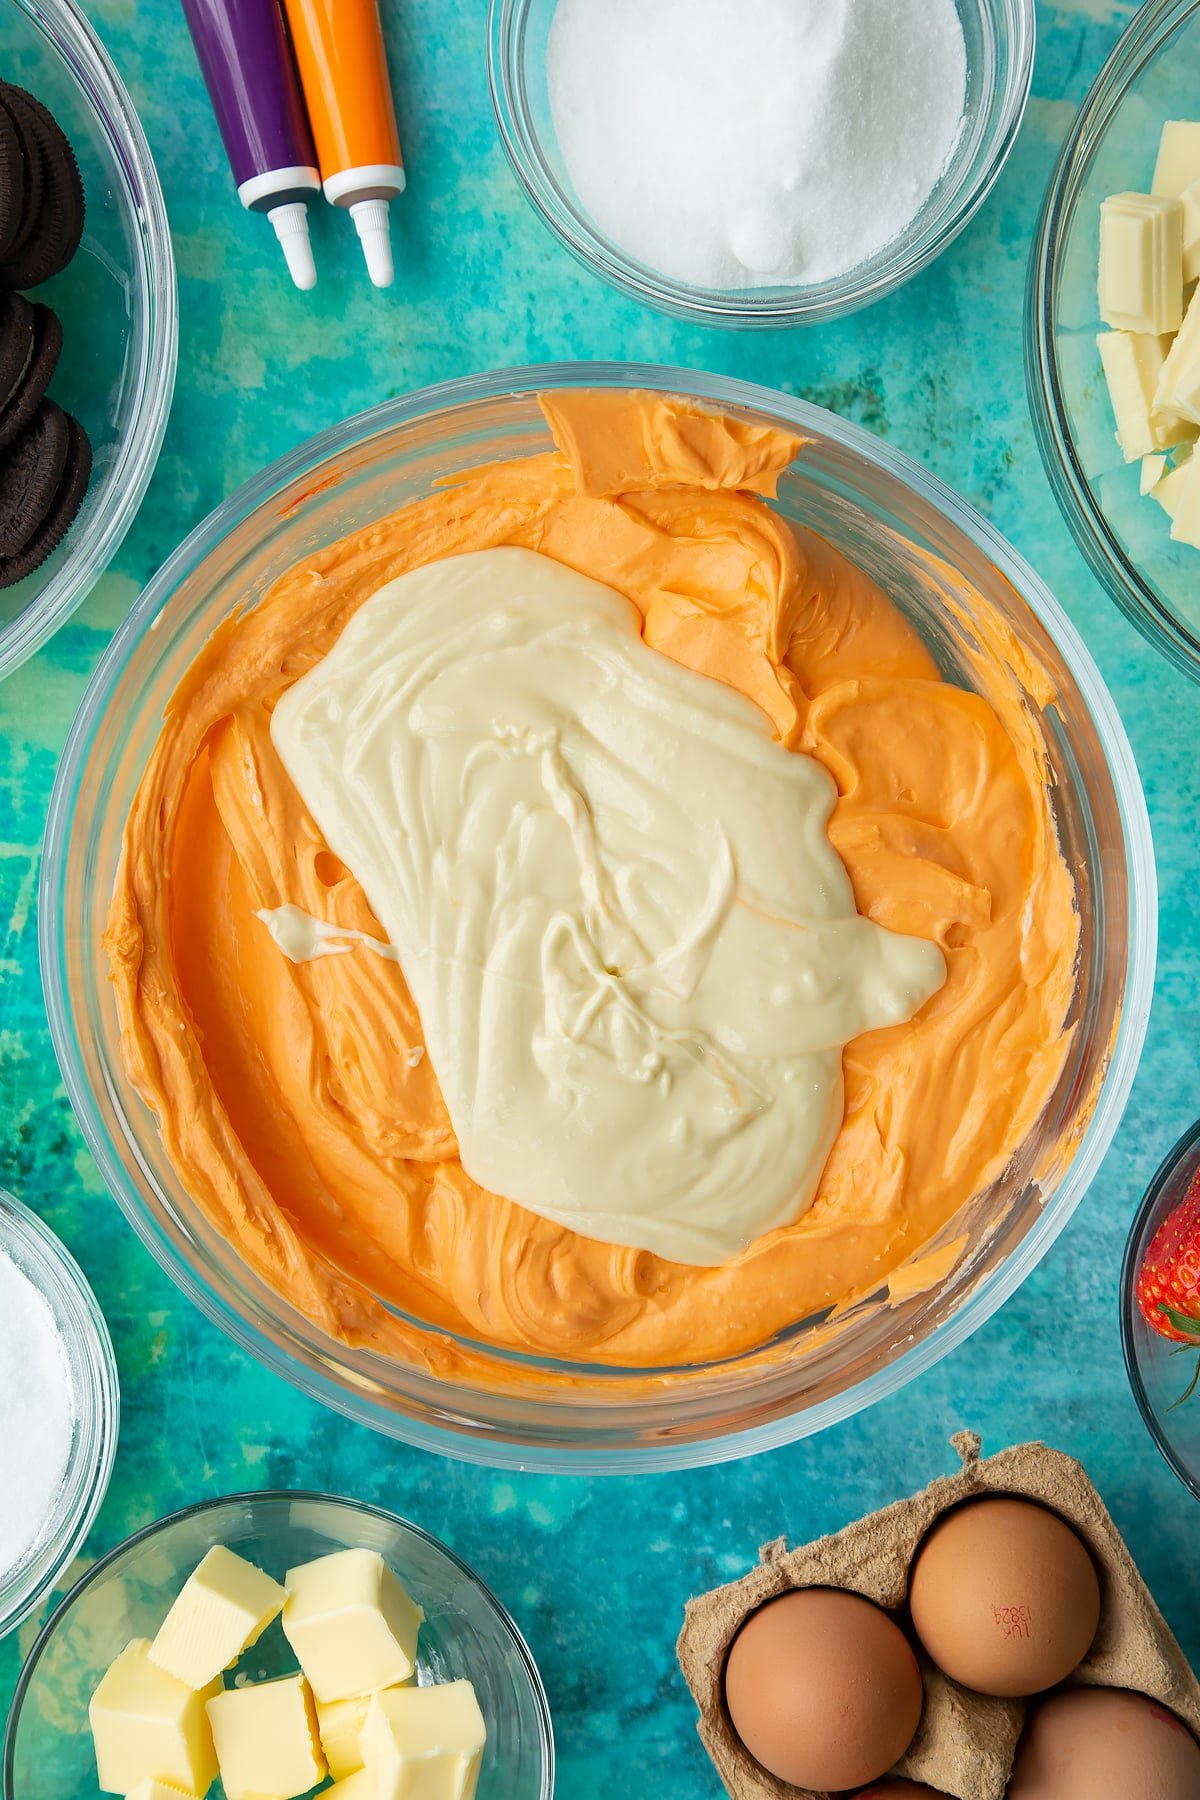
(223, 1608)
(351, 1624)
(358, 1786)
(156, 1790)
(266, 1739)
(425, 1743)
(147, 1726)
(340, 1723)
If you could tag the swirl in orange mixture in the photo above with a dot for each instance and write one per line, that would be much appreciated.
(286, 1093)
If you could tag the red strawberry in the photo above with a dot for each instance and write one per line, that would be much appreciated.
(1168, 1283)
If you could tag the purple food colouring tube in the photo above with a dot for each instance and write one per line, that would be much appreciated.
(247, 66)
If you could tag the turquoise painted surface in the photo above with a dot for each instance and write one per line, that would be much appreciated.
(596, 1572)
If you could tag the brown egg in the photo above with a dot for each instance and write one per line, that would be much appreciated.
(823, 1689)
(1104, 1741)
(1004, 1597)
(900, 1790)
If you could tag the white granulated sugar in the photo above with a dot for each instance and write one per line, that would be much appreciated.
(37, 1415)
(746, 143)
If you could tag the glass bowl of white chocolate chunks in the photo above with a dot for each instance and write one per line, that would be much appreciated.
(1113, 328)
(278, 1643)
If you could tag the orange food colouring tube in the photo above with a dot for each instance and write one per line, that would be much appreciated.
(344, 73)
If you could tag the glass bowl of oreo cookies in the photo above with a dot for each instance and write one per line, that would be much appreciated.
(88, 328)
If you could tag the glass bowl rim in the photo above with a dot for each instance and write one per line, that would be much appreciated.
(1138, 44)
(485, 1443)
(252, 1497)
(1187, 1146)
(75, 41)
(786, 305)
(98, 1409)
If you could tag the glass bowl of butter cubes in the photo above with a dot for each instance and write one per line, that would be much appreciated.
(1113, 328)
(275, 1645)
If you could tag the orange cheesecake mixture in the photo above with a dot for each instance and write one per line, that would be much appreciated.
(291, 1097)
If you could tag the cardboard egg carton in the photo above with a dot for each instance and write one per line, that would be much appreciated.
(966, 1742)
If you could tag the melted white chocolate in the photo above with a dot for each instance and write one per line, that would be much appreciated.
(635, 954)
(303, 938)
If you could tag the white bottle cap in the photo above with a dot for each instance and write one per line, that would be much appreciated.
(291, 228)
(371, 220)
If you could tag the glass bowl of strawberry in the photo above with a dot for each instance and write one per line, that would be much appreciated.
(1160, 1309)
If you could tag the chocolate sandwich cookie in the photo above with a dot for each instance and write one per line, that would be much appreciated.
(26, 124)
(12, 181)
(68, 498)
(17, 336)
(40, 365)
(30, 471)
(52, 237)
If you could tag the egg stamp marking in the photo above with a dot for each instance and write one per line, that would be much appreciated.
(1015, 1622)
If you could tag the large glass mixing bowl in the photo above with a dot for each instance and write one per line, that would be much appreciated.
(942, 564)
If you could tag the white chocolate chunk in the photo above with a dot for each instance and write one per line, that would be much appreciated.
(1178, 389)
(1169, 491)
(1178, 165)
(425, 1743)
(1177, 175)
(149, 1727)
(1190, 201)
(222, 1609)
(1153, 470)
(266, 1740)
(1185, 519)
(1182, 398)
(1141, 263)
(351, 1624)
(1133, 365)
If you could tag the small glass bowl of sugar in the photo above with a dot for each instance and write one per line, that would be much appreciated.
(759, 162)
(59, 1410)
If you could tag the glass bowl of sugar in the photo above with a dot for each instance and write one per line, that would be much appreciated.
(58, 1402)
(761, 163)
